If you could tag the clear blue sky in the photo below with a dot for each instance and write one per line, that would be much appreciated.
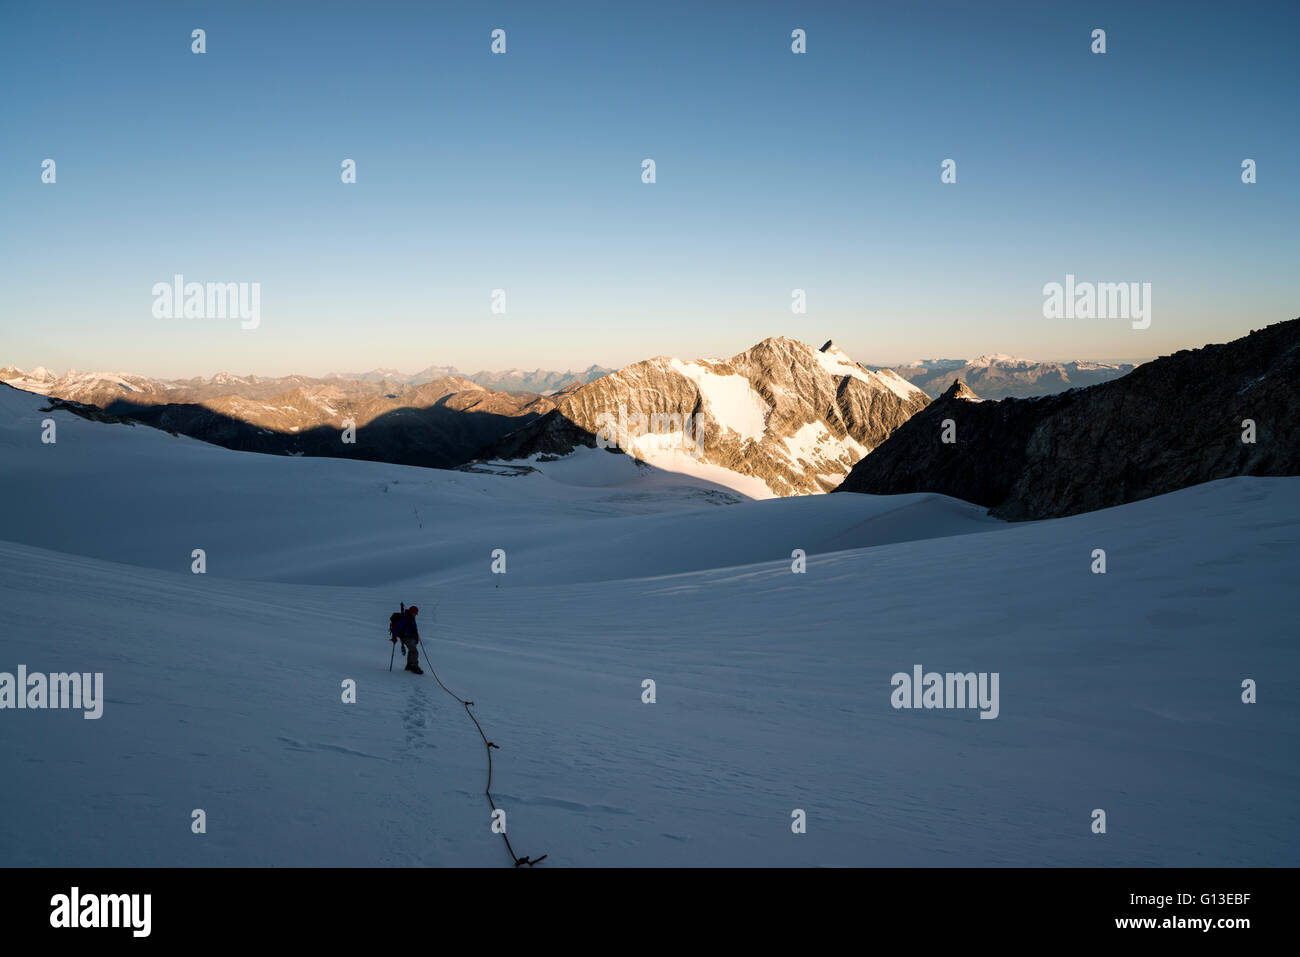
(522, 171)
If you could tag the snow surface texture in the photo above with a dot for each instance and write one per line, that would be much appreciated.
(1117, 691)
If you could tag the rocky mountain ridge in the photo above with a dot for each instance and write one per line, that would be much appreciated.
(793, 417)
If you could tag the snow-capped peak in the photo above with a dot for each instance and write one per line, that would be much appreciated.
(830, 348)
(838, 363)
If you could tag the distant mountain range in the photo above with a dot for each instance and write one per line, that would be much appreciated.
(539, 381)
(1176, 421)
(1002, 376)
(435, 418)
(781, 418)
(87, 386)
(993, 376)
(439, 423)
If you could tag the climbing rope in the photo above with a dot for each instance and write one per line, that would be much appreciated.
(489, 745)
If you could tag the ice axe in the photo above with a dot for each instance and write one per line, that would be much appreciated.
(393, 653)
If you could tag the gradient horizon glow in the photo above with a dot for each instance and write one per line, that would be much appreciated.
(522, 171)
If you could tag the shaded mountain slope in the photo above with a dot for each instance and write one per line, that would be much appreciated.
(1169, 424)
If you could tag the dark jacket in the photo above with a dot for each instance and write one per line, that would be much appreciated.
(406, 628)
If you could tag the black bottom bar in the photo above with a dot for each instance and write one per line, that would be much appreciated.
(519, 906)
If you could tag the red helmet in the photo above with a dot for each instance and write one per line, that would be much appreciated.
(413, 609)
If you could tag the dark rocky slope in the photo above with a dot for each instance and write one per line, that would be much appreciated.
(1169, 424)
